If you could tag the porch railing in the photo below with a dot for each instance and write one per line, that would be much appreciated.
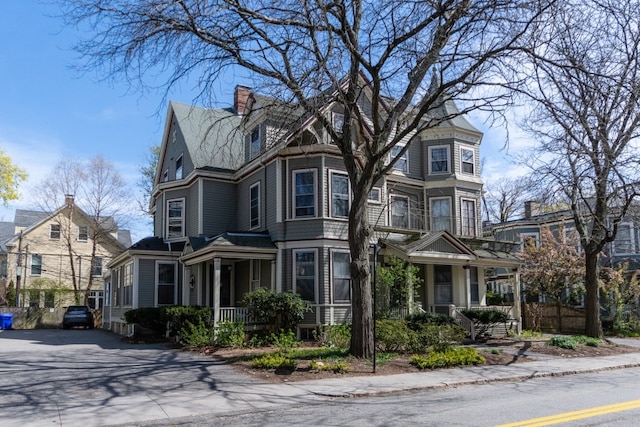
(236, 314)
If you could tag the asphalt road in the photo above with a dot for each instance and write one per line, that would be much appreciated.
(91, 377)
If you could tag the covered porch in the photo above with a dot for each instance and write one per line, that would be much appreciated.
(220, 270)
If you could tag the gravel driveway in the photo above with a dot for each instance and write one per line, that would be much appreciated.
(91, 377)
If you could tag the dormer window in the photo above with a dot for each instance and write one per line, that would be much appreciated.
(255, 142)
(337, 120)
(179, 168)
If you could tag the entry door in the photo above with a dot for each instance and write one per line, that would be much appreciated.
(225, 285)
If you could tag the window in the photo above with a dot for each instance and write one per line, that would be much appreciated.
(339, 195)
(3, 268)
(443, 284)
(527, 239)
(337, 120)
(441, 214)
(375, 195)
(96, 267)
(255, 274)
(402, 164)
(468, 217)
(475, 291)
(341, 276)
(54, 231)
(304, 193)
(439, 159)
(127, 285)
(166, 283)
(36, 265)
(175, 218)
(623, 243)
(165, 175)
(49, 298)
(467, 160)
(254, 144)
(400, 211)
(254, 205)
(305, 274)
(83, 233)
(179, 167)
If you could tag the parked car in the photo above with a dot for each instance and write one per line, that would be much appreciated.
(77, 315)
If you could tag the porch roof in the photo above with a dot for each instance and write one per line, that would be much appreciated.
(238, 245)
(444, 247)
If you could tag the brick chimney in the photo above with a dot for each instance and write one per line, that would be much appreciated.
(240, 97)
(68, 199)
(532, 208)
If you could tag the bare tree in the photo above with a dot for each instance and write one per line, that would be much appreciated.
(147, 176)
(585, 83)
(98, 190)
(406, 57)
(504, 199)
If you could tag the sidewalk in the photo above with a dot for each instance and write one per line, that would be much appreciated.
(239, 398)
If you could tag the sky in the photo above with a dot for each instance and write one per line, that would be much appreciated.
(48, 111)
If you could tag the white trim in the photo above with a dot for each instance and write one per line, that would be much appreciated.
(175, 282)
(404, 156)
(431, 215)
(430, 160)
(251, 187)
(182, 219)
(295, 172)
(399, 196)
(315, 271)
(378, 200)
(475, 216)
(332, 253)
(473, 161)
(330, 186)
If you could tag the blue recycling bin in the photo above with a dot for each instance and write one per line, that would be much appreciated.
(6, 320)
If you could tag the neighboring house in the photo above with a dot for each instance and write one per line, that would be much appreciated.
(35, 255)
(243, 199)
(624, 250)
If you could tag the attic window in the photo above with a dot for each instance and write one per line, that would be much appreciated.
(337, 120)
(83, 233)
(255, 142)
(54, 232)
(179, 167)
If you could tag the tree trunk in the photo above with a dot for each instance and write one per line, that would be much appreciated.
(360, 233)
(593, 326)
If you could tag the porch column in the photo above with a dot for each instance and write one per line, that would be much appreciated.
(216, 290)
(273, 275)
(467, 281)
(409, 289)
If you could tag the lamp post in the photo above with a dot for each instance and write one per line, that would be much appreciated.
(376, 249)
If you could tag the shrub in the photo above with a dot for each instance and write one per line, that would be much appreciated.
(486, 316)
(415, 321)
(196, 335)
(338, 366)
(452, 356)
(435, 337)
(280, 310)
(153, 319)
(273, 361)
(568, 343)
(285, 341)
(334, 335)
(179, 316)
(393, 335)
(230, 334)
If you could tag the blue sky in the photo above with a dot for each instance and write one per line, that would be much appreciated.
(48, 111)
